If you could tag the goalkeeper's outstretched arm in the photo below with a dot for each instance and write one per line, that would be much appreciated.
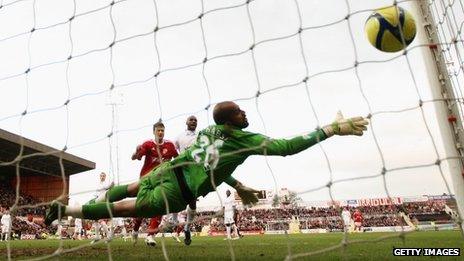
(283, 147)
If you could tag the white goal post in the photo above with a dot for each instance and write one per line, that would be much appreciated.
(448, 115)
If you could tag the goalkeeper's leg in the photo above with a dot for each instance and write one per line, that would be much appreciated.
(92, 211)
(102, 206)
(118, 193)
(148, 204)
(156, 195)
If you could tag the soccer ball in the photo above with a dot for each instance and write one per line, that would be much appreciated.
(383, 31)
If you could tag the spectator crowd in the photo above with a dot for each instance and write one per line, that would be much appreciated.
(328, 217)
(23, 218)
(28, 220)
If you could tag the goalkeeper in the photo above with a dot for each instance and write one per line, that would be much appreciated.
(210, 161)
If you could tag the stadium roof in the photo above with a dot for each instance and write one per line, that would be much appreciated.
(45, 163)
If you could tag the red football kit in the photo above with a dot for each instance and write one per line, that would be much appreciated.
(155, 154)
(357, 217)
(149, 149)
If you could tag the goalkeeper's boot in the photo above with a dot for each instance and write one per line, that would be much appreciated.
(188, 237)
(52, 213)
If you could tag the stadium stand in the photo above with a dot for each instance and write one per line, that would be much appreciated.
(40, 174)
(8, 197)
(328, 217)
(421, 212)
(41, 181)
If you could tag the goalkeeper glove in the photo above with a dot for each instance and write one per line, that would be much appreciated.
(341, 126)
(247, 194)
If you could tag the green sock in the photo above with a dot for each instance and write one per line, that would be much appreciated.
(117, 193)
(97, 211)
(114, 194)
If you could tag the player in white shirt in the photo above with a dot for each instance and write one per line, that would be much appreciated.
(119, 222)
(188, 137)
(182, 142)
(6, 225)
(103, 185)
(229, 211)
(78, 231)
(346, 216)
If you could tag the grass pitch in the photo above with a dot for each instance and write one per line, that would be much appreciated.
(265, 247)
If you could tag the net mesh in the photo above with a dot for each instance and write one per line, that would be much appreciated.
(295, 61)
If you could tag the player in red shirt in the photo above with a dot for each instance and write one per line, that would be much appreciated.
(358, 219)
(155, 152)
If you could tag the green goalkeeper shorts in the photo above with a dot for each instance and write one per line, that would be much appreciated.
(159, 193)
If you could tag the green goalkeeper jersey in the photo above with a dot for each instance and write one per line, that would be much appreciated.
(219, 150)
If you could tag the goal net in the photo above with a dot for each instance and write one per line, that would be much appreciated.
(92, 77)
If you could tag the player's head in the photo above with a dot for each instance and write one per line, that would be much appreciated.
(102, 176)
(158, 131)
(229, 113)
(227, 193)
(191, 123)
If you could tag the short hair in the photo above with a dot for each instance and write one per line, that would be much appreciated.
(158, 124)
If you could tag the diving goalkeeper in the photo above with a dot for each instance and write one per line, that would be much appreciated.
(210, 161)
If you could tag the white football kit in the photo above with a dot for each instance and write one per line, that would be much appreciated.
(229, 204)
(77, 225)
(346, 216)
(6, 223)
(185, 139)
